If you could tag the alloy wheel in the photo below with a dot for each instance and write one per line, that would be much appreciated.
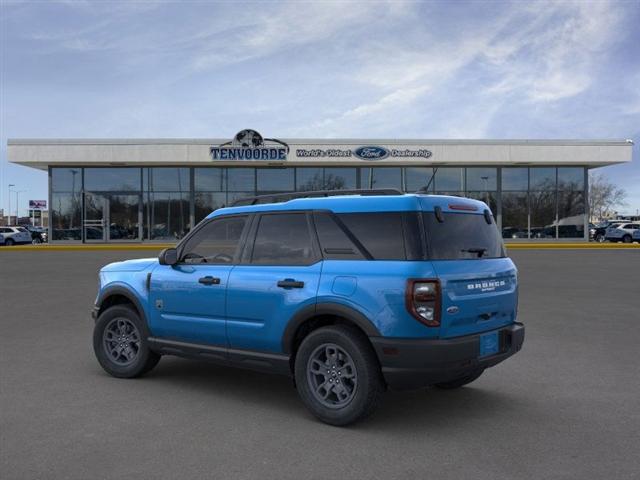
(332, 376)
(121, 340)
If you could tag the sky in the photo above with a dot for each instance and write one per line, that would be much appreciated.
(396, 69)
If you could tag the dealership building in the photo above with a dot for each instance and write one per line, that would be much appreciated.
(133, 190)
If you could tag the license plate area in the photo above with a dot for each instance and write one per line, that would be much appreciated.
(489, 344)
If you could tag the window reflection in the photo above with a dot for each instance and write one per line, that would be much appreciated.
(241, 179)
(450, 179)
(483, 179)
(571, 211)
(309, 179)
(275, 180)
(207, 202)
(340, 179)
(112, 179)
(515, 179)
(417, 179)
(570, 178)
(167, 215)
(515, 215)
(543, 214)
(66, 179)
(66, 216)
(385, 177)
(542, 178)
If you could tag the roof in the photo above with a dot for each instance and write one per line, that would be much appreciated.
(372, 203)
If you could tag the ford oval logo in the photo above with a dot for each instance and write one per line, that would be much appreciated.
(453, 310)
(371, 153)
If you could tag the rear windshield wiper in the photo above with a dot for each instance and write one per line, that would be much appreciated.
(479, 251)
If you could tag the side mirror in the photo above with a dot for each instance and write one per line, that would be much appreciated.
(168, 256)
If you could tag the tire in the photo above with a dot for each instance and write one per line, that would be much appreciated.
(460, 382)
(133, 357)
(626, 239)
(9, 242)
(345, 352)
(36, 241)
(599, 238)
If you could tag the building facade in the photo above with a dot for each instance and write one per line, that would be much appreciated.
(133, 190)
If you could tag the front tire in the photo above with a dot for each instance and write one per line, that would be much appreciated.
(338, 376)
(120, 343)
(9, 242)
(599, 238)
(626, 239)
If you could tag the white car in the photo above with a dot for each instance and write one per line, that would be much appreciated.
(15, 235)
(622, 233)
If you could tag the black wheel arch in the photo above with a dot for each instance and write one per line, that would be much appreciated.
(322, 313)
(118, 295)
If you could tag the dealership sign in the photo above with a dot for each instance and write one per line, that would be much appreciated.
(38, 204)
(365, 152)
(250, 145)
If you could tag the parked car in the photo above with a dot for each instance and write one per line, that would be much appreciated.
(15, 235)
(513, 232)
(38, 234)
(599, 233)
(345, 294)
(1, 239)
(622, 232)
(636, 235)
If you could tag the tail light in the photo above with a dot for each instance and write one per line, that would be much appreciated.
(423, 301)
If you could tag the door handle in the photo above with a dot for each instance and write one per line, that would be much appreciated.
(290, 283)
(208, 280)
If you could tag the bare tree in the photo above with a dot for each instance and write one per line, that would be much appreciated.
(604, 196)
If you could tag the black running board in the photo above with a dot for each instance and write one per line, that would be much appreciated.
(250, 359)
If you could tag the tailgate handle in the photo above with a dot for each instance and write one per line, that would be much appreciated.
(487, 316)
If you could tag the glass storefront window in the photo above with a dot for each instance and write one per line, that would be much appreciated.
(515, 179)
(66, 216)
(167, 215)
(241, 179)
(209, 179)
(340, 179)
(515, 215)
(275, 180)
(449, 180)
(207, 202)
(490, 198)
(571, 178)
(309, 179)
(66, 179)
(571, 211)
(112, 179)
(543, 214)
(542, 178)
(482, 179)
(417, 178)
(166, 179)
(233, 196)
(383, 177)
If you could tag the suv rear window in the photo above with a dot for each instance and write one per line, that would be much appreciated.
(462, 236)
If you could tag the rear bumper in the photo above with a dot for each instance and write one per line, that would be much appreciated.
(410, 363)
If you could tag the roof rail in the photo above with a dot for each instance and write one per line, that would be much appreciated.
(285, 197)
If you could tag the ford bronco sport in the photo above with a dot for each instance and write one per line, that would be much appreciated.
(350, 293)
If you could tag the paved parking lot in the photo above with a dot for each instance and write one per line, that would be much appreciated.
(567, 406)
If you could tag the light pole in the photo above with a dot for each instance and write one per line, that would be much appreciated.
(18, 192)
(9, 211)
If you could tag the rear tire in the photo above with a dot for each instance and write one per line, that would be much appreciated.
(459, 382)
(120, 343)
(338, 376)
(626, 239)
(9, 242)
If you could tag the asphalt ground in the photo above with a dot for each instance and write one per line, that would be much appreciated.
(567, 406)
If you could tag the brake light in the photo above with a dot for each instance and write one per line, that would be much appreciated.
(423, 301)
(466, 208)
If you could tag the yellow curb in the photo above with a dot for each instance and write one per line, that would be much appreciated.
(582, 246)
(48, 248)
(159, 246)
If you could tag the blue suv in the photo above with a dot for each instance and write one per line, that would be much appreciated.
(350, 293)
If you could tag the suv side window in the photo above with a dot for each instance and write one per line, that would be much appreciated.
(217, 242)
(334, 242)
(381, 233)
(283, 239)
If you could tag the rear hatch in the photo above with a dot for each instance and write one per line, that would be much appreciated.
(478, 282)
